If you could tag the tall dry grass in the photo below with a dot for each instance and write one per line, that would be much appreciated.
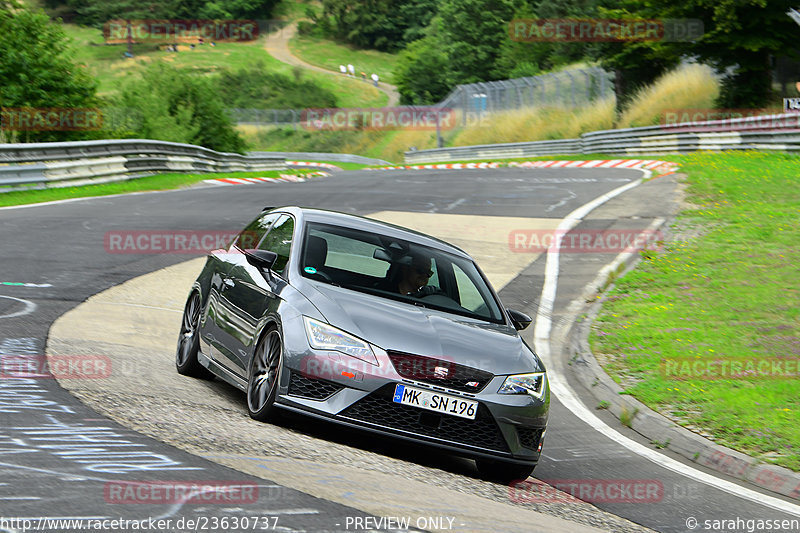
(536, 124)
(691, 86)
(392, 145)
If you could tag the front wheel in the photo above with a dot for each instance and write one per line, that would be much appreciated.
(502, 471)
(186, 361)
(262, 382)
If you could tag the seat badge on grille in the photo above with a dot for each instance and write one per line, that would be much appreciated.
(440, 372)
(472, 384)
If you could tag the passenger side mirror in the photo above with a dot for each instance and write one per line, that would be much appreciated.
(519, 320)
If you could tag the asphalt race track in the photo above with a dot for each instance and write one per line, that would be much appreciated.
(60, 458)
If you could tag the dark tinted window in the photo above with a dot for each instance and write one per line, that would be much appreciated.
(393, 268)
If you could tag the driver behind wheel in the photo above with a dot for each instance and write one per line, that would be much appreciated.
(414, 275)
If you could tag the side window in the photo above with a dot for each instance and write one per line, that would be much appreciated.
(255, 231)
(468, 293)
(279, 240)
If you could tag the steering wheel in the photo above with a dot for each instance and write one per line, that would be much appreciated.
(427, 290)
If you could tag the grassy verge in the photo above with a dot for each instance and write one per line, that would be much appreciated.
(329, 55)
(157, 182)
(727, 287)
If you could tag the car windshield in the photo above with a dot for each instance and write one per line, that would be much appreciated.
(397, 269)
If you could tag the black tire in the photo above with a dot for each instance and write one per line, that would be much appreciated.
(262, 379)
(502, 471)
(189, 341)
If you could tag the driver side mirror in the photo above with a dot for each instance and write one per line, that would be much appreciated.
(519, 320)
(261, 259)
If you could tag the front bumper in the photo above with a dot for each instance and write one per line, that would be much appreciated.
(347, 390)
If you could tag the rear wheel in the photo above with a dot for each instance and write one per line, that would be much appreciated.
(262, 382)
(502, 471)
(189, 341)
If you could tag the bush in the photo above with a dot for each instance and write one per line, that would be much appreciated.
(421, 72)
(256, 87)
(169, 104)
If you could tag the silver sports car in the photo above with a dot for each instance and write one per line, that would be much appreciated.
(373, 326)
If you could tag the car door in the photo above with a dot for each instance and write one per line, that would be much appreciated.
(252, 294)
(221, 314)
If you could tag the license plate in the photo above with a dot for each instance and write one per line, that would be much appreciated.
(433, 401)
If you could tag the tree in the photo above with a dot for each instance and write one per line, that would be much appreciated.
(380, 24)
(98, 12)
(169, 104)
(472, 32)
(741, 39)
(422, 72)
(37, 68)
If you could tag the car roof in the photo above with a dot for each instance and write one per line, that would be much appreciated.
(336, 218)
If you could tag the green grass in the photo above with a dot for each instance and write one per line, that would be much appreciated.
(157, 182)
(727, 287)
(329, 55)
(295, 9)
(109, 67)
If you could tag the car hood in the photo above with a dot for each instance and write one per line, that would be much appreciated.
(407, 328)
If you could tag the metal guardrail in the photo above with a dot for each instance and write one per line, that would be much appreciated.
(325, 156)
(61, 164)
(767, 132)
(484, 151)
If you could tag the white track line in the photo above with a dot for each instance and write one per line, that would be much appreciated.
(559, 387)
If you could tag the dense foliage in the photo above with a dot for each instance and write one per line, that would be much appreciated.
(741, 38)
(170, 104)
(387, 25)
(98, 12)
(37, 69)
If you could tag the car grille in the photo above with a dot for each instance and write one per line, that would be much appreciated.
(440, 372)
(313, 389)
(530, 437)
(379, 409)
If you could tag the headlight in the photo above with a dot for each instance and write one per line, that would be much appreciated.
(532, 384)
(323, 336)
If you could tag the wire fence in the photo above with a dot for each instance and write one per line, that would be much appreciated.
(568, 88)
